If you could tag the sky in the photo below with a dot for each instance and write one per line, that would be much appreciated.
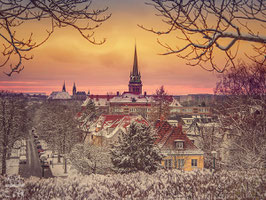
(66, 56)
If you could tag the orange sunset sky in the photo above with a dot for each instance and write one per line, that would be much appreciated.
(66, 56)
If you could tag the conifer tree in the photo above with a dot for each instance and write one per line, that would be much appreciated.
(136, 151)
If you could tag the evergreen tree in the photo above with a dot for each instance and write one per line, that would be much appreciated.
(136, 151)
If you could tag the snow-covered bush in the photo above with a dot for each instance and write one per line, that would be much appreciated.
(11, 187)
(172, 184)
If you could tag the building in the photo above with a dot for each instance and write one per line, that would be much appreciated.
(108, 128)
(59, 96)
(135, 84)
(63, 95)
(78, 95)
(179, 152)
(130, 104)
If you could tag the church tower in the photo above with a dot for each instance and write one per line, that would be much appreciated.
(135, 84)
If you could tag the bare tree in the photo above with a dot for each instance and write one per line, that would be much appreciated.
(160, 105)
(13, 120)
(207, 29)
(242, 115)
(59, 127)
(77, 14)
(89, 159)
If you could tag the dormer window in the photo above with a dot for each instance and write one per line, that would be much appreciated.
(179, 144)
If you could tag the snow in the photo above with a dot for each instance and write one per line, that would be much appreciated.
(171, 184)
(58, 169)
(12, 166)
(14, 153)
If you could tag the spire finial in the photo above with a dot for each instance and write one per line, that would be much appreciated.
(135, 65)
(64, 87)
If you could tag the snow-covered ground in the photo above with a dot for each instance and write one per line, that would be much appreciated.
(58, 169)
(12, 166)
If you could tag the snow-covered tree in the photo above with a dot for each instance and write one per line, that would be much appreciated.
(87, 116)
(59, 127)
(135, 150)
(13, 126)
(242, 115)
(89, 159)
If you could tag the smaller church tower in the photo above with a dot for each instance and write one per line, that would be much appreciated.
(64, 87)
(135, 84)
(74, 91)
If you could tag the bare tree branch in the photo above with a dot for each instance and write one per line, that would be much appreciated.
(77, 14)
(211, 27)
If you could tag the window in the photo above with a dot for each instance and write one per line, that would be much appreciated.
(168, 164)
(181, 163)
(132, 109)
(179, 145)
(194, 162)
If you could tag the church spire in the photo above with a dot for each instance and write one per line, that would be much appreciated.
(135, 65)
(135, 85)
(64, 87)
(74, 91)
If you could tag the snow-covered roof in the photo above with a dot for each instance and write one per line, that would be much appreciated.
(108, 125)
(59, 95)
(168, 136)
(175, 103)
(131, 98)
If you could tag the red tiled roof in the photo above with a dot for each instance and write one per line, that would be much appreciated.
(124, 120)
(168, 135)
(163, 127)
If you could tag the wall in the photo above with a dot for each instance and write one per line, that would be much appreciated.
(187, 158)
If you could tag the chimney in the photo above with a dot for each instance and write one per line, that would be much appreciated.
(117, 93)
(180, 126)
(145, 93)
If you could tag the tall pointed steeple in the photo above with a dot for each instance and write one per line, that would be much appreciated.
(135, 84)
(135, 64)
(64, 87)
(74, 91)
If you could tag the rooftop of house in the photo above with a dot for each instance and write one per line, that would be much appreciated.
(59, 95)
(107, 125)
(169, 136)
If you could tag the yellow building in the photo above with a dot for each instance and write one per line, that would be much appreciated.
(179, 152)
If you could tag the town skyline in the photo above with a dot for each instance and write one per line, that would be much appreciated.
(106, 68)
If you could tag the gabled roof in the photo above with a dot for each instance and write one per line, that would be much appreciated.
(108, 125)
(168, 136)
(175, 103)
(59, 95)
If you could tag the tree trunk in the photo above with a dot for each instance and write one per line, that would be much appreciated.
(4, 160)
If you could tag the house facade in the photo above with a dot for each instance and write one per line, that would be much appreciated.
(179, 152)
